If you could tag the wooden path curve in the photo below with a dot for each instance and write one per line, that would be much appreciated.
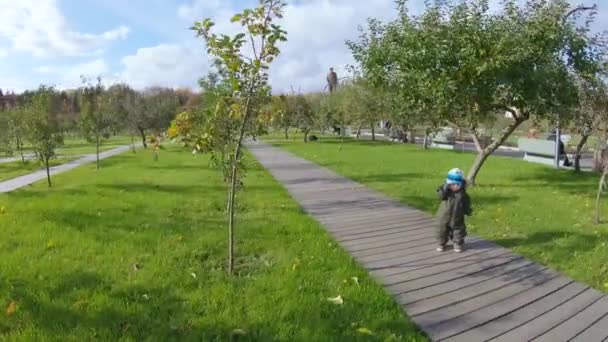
(486, 293)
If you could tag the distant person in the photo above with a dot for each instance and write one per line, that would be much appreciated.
(532, 134)
(455, 204)
(332, 80)
(561, 148)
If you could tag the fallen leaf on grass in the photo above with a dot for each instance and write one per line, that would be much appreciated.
(337, 300)
(11, 309)
(356, 280)
(2, 209)
(239, 332)
(365, 331)
(193, 275)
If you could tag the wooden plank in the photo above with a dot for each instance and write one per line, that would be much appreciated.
(434, 258)
(577, 323)
(411, 227)
(371, 222)
(431, 319)
(550, 319)
(387, 246)
(495, 258)
(435, 297)
(371, 233)
(382, 236)
(597, 332)
(396, 262)
(404, 221)
(370, 217)
(444, 328)
(521, 316)
(393, 239)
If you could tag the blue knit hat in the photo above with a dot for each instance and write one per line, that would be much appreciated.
(455, 176)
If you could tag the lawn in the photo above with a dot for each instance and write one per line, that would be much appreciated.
(18, 168)
(78, 146)
(544, 214)
(136, 251)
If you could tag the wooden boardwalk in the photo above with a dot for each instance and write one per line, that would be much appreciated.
(486, 293)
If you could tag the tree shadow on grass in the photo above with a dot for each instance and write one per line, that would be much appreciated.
(573, 241)
(177, 189)
(431, 203)
(569, 181)
(35, 193)
(132, 312)
(88, 305)
(391, 177)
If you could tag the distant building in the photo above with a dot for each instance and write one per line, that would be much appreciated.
(7, 100)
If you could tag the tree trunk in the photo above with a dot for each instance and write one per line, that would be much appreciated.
(342, 133)
(133, 144)
(233, 180)
(358, 131)
(373, 131)
(97, 148)
(579, 152)
(484, 153)
(286, 133)
(48, 171)
(306, 135)
(425, 143)
(20, 148)
(600, 189)
(143, 136)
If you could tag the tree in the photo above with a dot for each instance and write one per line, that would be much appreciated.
(246, 75)
(466, 64)
(302, 113)
(592, 111)
(118, 105)
(363, 104)
(16, 128)
(44, 131)
(282, 117)
(94, 116)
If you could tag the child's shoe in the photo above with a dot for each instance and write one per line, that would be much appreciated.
(440, 248)
(458, 248)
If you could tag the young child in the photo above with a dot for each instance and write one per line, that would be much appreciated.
(455, 204)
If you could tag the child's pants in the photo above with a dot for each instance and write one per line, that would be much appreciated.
(446, 233)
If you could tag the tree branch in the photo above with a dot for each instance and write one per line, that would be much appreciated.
(580, 8)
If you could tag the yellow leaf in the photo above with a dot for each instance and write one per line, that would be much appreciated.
(356, 280)
(11, 309)
(365, 331)
(51, 244)
(239, 332)
(2, 209)
(336, 300)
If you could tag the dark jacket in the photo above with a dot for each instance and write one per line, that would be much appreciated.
(454, 206)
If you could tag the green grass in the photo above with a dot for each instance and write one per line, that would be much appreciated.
(18, 168)
(544, 214)
(79, 146)
(68, 257)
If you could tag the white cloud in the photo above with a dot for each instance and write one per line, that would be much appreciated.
(170, 65)
(69, 76)
(200, 8)
(3, 53)
(38, 27)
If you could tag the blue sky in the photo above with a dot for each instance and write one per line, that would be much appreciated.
(148, 43)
